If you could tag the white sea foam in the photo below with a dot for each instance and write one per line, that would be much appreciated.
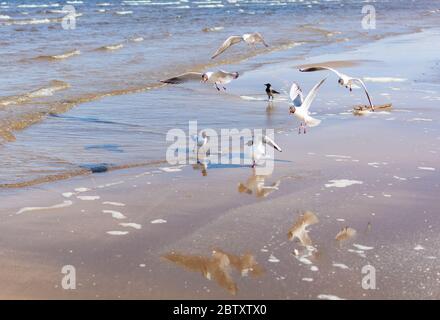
(65, 204)
(116, 204)
(329, 297)
(67, 194)
(115, 214)
(171, 169)
(420, 119)
(117, 233)
(362, 247)
(131, 225)
(426, 168)
(157, 221)
(88, 198)
(342, 183)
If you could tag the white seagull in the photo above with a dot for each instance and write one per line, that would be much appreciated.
(249, 38)
(301, 106)
(216, 77)
(200, 141)
(259, 147)
(344, 80)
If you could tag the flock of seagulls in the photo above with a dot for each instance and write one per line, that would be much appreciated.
(300, 106)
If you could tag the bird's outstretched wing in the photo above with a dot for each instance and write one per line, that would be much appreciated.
(269, 141)
(311, 95)
(366, 92)
(221, 74)
(185, 77)
(296, 95)
(258, 36)
(321, 68)
(228, 42)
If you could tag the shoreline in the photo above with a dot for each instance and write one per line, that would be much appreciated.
(79, 170)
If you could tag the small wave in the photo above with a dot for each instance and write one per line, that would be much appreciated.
(21, 22)
(384, 79)
(38, 5)
(23, 121)
(122, 13)
(137, 39)
(55, 85)
(112, 47)
(105, 4)
(249, 98)
(212, 29)
(210, 6)
(76, 173)
(60, 56)
(4, 17)
(74, 2)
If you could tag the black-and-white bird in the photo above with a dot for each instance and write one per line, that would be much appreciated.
(217, 78)
(344, 80)
(270, 92)
(249, 38)
(301, 106)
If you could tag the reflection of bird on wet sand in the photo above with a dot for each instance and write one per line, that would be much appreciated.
(218, 266)
(256, 183)
(244, 263)
(345, 234)
(298, 230)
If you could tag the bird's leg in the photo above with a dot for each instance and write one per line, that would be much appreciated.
(300, 127)
(351, 88)
(253, 164)
(217, 86)
(305, 125)
(224, 88)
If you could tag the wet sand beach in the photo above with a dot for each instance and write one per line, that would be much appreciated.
(149, 232)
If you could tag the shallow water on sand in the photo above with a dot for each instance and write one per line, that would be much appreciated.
(107, 72)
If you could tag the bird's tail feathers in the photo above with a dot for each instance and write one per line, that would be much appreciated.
(312, 122)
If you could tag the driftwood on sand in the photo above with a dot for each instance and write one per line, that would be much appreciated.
(363, 109)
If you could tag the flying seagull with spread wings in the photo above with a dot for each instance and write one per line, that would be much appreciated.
(249, 38)
(219, 77)
(258, 150)
(301, 106)
(344, 80)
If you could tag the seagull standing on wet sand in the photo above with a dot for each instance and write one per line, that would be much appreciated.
(259, 147)
(270, 92)
(219, 77)
(201, 141)
(344, 80)
(249, 38)
(301, 106)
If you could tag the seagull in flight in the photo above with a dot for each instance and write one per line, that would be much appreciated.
(219, 77)
(344, 80)
(259, 147)
(301, 106)
(249, 38)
